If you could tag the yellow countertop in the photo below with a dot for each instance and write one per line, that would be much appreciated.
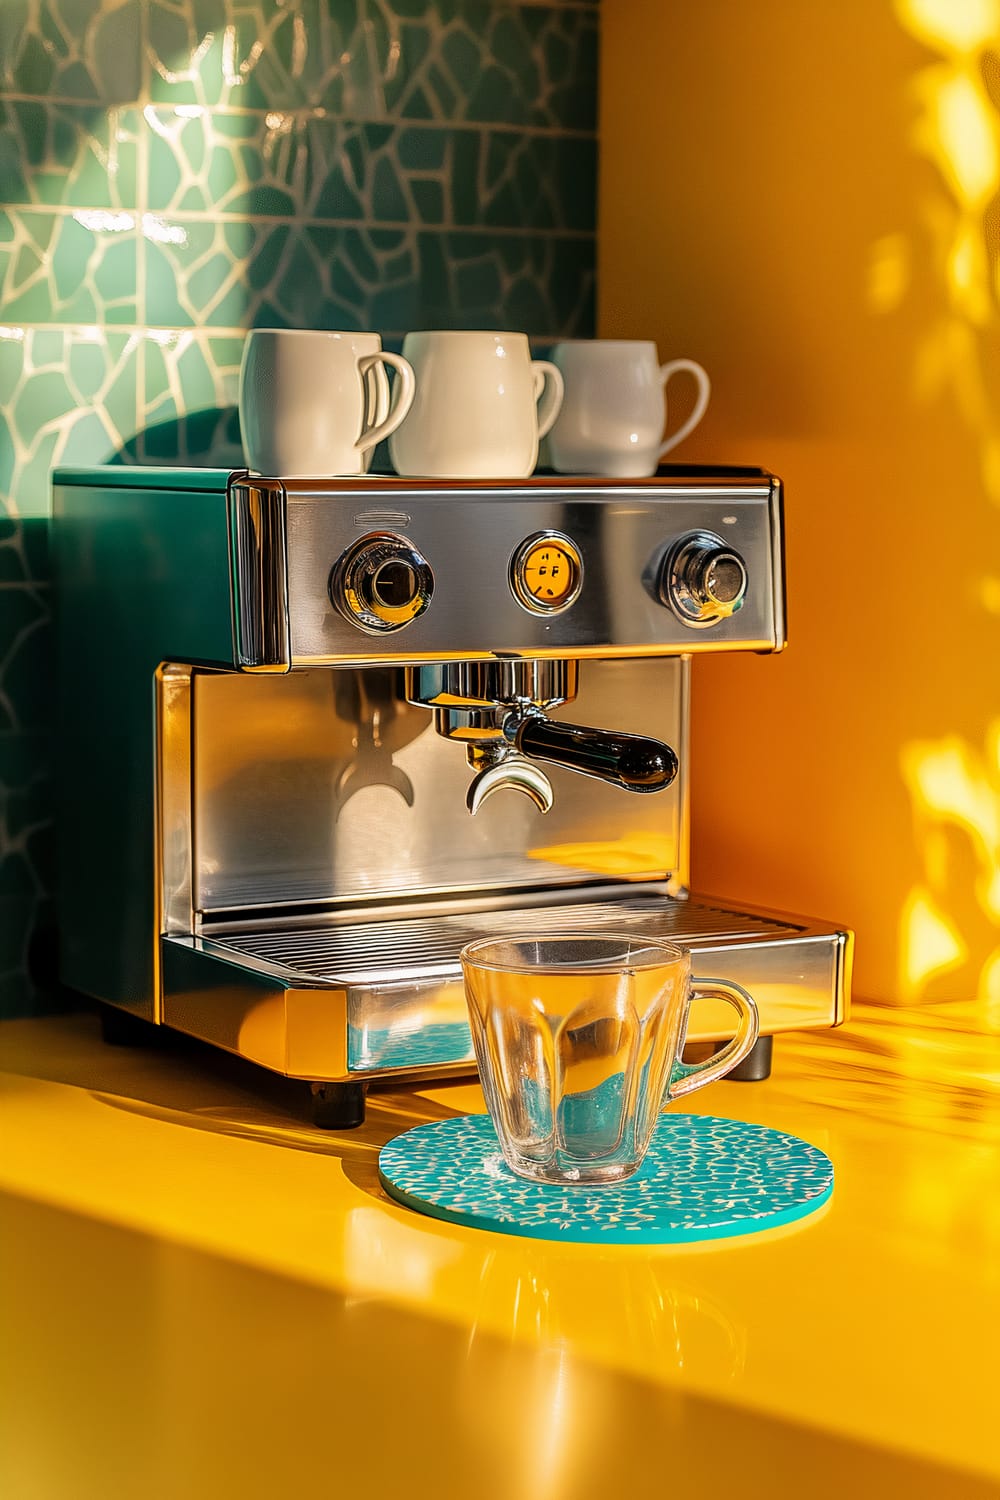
(202, 1296)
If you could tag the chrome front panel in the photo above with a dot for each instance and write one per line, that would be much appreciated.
(324, 786)
(353, 999)
(288, 542)
(469, 535)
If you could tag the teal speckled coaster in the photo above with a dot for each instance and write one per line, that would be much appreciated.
(702, 1179)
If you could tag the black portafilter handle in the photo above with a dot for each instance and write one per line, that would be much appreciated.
(631, 761)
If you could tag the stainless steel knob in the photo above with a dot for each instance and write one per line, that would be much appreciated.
(703, 579)
(382, 582)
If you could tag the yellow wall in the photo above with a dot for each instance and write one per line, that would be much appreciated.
(804, 197)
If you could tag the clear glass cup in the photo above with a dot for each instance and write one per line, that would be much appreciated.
(578, 1041)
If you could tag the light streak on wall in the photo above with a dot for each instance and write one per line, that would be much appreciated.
(950, 922)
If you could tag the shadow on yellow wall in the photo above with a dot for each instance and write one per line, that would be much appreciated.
(807, 199)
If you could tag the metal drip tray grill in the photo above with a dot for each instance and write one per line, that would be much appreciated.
(351, 953)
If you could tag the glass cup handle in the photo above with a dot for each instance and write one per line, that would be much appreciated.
(402, 396)
(686, 1077)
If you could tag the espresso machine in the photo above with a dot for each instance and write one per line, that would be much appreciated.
(317, 735)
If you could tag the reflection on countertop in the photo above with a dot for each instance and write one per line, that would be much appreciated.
(205, 1295)
(933, 1065)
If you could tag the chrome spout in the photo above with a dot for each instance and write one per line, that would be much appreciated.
(499, 768)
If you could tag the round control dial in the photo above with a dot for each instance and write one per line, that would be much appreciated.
(546, 572)
(703, 579)
(382, 582)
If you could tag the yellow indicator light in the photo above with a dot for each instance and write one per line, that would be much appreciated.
(547, 573)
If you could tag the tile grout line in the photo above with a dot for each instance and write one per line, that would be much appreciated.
(142, 193)
(309, 112)
(203, 330)
(262, 221)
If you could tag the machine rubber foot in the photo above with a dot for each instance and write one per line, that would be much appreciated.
(337, 1106)
(120, 1028)
(756, 1066)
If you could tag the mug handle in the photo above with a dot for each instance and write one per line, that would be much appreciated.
(701, 401)
(403, 391)
(545, 374)
(686, 1077)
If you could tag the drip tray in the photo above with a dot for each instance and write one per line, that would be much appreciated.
(376, 951)
(344, 999)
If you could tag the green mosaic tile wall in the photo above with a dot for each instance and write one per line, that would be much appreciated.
(173, 172)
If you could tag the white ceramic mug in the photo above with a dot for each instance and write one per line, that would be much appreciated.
(614, 411)
(482, 403)
(316, 403)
